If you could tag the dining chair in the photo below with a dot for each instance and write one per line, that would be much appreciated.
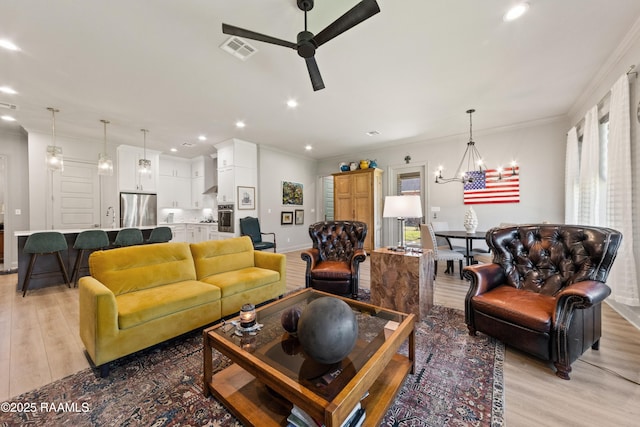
(250, 226)
(44, 243)
(428, 239)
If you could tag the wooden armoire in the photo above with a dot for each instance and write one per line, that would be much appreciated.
(357, 195)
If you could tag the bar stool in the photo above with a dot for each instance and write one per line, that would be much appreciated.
(86, 241)
(129, 237)
(160, 235)
(44, 243)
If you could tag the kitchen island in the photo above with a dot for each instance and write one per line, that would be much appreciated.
(48, 265)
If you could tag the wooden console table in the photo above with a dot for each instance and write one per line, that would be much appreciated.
(402, 281)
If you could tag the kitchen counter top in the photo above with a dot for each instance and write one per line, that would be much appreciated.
(78, 230)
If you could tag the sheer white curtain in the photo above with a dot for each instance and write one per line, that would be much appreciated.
(590, 181)
(571, 179)
(623, 275)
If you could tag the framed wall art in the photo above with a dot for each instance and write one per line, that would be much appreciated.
(299, 216)
(286, 217)
(292, 194)
(246, 198)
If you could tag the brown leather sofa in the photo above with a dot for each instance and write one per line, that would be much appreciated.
(542, 294)
(333, 263)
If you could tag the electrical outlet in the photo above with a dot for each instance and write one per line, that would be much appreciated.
(288, 240)
(18, 212)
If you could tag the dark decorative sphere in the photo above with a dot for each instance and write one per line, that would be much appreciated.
(327, 330)
(290, 318)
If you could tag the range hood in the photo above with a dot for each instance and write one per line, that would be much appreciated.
(211, 175)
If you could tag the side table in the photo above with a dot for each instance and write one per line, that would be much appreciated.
(402, 281)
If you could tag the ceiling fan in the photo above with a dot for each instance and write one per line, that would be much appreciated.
(307, 41)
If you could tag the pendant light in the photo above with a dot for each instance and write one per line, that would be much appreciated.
(105, 164)
(474, 163)
(144, 165)
(55, 160)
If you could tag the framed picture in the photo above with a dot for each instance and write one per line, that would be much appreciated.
(299, 216)
(286, 217)
(292, 194)
(246, 198)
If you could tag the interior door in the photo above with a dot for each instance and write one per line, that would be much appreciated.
(76, 196)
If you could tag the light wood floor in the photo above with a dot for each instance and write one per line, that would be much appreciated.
(39, 343)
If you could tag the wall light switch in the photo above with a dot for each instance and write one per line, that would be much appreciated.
(18, 212)
(435, 208)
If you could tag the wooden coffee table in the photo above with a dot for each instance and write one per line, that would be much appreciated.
(270, 372)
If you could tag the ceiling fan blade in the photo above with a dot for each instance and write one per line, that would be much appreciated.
(314, 73)
(241, 32)
(358, 13)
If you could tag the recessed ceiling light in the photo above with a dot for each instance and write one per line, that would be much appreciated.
(8, 45)
(515, 12)
(7, 90)
(240, 124)
(292, 103)
(373, 133)
(8, 118)
(173, 150)
(202, 138)
(308, 147)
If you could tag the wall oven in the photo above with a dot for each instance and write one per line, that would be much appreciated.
(225, 218)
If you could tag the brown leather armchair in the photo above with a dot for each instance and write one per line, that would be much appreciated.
(333, 264)
(542, 294)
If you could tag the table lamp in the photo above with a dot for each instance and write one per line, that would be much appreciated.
(402, 207)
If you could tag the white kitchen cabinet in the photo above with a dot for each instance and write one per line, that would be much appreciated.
(179, 232)
(174, 192)
(225, 155)
(129, 179)
(197, 167)
(213, 232)
(175, 166)
(197, 188)
(226, 184)
(197, 233)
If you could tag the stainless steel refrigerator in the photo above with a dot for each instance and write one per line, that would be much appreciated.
(138, 209)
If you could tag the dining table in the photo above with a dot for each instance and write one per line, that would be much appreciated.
(468, 238)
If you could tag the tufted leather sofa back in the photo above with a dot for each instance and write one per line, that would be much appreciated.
(544, 258)
(337, 240)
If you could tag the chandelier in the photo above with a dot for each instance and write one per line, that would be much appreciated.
(54, 153)
(472, 161)
(105, 164)
(144, 165)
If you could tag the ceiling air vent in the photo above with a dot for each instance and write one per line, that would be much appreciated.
(188, 144)
(238, 48)
(8, 106)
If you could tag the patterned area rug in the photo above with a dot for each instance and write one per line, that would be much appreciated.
(457, 382)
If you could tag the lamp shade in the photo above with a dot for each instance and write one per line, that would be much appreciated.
(402, 207)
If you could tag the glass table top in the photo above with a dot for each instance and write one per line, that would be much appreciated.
(282, 351)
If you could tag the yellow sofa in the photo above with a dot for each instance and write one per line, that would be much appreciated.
(139, 296)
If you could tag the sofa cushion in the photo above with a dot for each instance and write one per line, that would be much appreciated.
(233, 282)
(518, 306)
(220, 256)
(134, 268)
(135, 308)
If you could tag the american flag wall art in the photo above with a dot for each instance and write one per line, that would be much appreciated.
(487, 187)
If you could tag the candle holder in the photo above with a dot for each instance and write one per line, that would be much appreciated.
(247, 322)
(248, 316)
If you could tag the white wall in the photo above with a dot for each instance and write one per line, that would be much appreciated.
(13, 145)
(275, 166)
(73, 149)
(538, 147)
